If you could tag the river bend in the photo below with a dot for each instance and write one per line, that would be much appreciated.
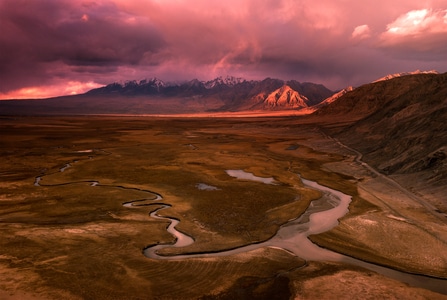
(321, 215)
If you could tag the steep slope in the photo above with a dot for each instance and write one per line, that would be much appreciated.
(245, 95)
(367, 99)
(400, 128)
(285, 97)
(274, 94)
(316, 93)
(331, 99)
(411, 127)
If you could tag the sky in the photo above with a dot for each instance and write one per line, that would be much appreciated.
(61, 47)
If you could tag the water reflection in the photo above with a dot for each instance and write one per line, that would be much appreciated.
(240, 174)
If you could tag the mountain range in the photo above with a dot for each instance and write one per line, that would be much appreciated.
(398, 122)
(153, 96)
(235, 93)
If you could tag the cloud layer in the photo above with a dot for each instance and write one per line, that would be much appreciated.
(52, 47)
(418, 34)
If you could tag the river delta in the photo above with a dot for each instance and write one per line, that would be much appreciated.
(90, 206)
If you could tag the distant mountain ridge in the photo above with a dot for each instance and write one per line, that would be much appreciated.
(235, 93)
(154, 97)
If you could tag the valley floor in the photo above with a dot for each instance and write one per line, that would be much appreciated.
(65, 232)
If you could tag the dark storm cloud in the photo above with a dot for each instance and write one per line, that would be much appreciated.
(51, 44)
(38, 37)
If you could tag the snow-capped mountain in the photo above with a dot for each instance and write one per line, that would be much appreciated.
(228, 81)
(148, 86)
(154, 82)
(235, 93)
(155, 85)
(391, 76)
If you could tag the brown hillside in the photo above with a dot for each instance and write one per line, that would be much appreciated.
(401, 129)
(367, 99)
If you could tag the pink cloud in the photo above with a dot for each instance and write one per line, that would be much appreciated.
(418, 22)
(418, 34)
(57, 88)
(361, 32)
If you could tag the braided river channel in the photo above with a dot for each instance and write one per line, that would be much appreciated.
(321, 215)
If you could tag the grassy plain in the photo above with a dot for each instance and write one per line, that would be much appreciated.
(69, 235)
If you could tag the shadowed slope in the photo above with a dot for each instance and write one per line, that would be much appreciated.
(400, 128)
(369, 98)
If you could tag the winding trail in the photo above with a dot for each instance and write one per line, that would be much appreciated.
(432, 210)
(358, 159)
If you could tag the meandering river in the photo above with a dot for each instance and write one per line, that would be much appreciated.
(321, 215)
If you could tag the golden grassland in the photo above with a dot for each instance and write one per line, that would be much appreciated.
(71, 237)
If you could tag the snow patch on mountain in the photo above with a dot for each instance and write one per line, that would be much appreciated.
(228, 81)
(391, 76)
(155, 82)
